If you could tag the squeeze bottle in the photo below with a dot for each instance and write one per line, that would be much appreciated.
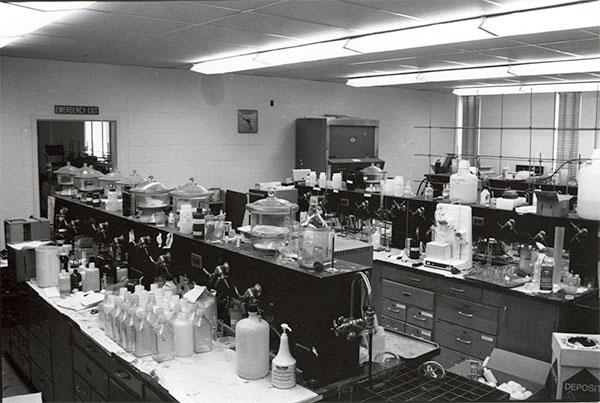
(283, 368)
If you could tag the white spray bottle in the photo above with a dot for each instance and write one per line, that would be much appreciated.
(283, 368)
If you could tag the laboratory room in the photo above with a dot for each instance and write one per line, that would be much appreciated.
(300, 200)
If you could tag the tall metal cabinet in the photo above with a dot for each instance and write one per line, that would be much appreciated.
(325, 144)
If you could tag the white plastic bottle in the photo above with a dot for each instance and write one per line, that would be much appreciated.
(183, 336)
(588, 189)
(92, 278)
(107, 308)
(463, 184)
(283, 368)
(252, 345)
(398, 186)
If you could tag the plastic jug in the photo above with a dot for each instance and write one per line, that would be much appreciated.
(252, 345)
(588, 189)
(463, 184)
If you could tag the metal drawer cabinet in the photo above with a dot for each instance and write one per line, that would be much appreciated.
(468, 314)
(465, 340)
(126, 376)
(407, 294)
(418, 332)
(81, 389)
(393, 309)
(407, 276)
(419, 317)
(92, 349)
(391, 324)
(86, 368)
(457, 289)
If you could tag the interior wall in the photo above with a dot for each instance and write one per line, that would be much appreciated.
(175, 123)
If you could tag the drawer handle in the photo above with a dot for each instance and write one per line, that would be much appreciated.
(393, 310)
(416, 280)
(419, 318)
(80, 389)
(467, 342)
(406, 294)
(457, 290)
(466, 315)
(122, 374)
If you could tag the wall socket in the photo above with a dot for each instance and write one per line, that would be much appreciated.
(344, 202)
(478, 221)
(196, 261)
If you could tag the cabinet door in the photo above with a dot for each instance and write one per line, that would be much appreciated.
(526, 327)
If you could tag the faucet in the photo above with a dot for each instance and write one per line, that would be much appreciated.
(352, 327)
(221, 273)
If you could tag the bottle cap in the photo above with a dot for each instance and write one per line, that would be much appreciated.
(252, 307)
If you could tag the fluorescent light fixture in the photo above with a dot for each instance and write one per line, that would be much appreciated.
(228, 65)
(19, 19)
(572, 16)
(558, 67)
(528, 89)
(477, 73)
(278, 57)
(305, 53)
(437, 34)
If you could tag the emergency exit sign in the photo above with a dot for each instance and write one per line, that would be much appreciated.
(76, 110)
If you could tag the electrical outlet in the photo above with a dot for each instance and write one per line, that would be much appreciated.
(478, 221)
(344, 202)
(196, 261)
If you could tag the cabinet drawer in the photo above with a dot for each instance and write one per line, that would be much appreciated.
(458, 289)
(419, 317)
(40, 354)
(393, 309)
(81, 390)
(391, 324)
(154, 395)
(467, 314)
(42, 383)
(418, 332)
(126, 376)
(464, 340)
(22, 360)
(92, 372)
(119, 393)
(407, 294)
(408, 276)
(93, 350)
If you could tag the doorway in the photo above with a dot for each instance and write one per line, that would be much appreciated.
(92, 142)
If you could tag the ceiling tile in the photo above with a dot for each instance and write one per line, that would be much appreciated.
(102, 21)
(242, 4)
(484, 44)
(429, 11)
(103, 38)
(236, 37)
(350, 16)
(523, 53)
(558, 36)
(471, 59)
(182, 11)
(49, 47)
(587, 47)
(266, 24)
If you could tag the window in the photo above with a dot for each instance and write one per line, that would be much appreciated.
(566, 136)
(97, 139)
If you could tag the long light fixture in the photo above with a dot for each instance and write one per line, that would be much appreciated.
(571, 16)
(19, 19)
(528, 89)
(556, 18)
(527, 69)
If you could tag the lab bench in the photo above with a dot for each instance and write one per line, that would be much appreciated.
(466, 317)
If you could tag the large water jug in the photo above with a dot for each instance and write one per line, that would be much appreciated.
(463, 184)
(588, 188)
(252, 345)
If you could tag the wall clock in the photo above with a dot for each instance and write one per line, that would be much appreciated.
(247, 121)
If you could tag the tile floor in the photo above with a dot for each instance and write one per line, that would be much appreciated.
(12, 384)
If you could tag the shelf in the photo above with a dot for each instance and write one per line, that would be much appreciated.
(501, 157)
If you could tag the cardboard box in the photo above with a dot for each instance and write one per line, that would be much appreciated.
(508, 366)
(576, 366)
(26, 229)
(21, 263)
(552, 204)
